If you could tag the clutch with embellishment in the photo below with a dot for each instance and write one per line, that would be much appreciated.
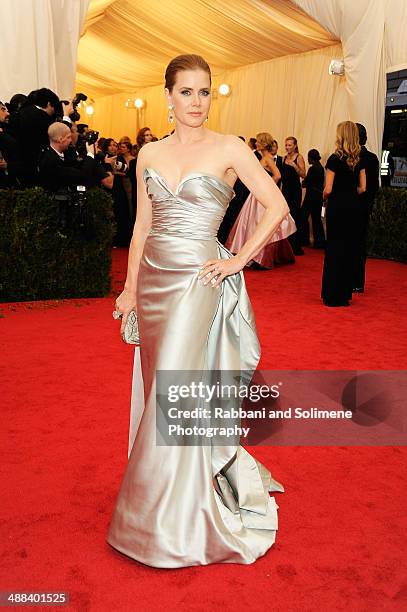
(130, 334)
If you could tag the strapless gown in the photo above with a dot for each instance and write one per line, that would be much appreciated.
(190, 505)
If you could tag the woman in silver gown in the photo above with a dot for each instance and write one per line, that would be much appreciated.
(192, 505)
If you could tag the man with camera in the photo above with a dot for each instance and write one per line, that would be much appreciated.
(35, 118)
(58, 172)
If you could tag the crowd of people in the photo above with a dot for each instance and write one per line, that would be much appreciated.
(344, 195)
(42, 143)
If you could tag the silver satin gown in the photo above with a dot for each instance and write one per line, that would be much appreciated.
(190, 505)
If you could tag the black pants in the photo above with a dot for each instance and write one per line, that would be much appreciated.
(313, 208)
(342, 248)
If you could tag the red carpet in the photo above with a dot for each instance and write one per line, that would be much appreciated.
(66, 393)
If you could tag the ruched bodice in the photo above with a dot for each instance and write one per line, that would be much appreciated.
(194, 210)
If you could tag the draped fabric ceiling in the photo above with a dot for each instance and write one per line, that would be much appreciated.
(274, 53)
(127, 43)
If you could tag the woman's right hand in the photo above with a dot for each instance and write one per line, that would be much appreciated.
(125, 303)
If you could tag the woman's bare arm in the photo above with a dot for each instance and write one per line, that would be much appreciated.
(264, 189)
(362, 181)
(271, 165)
(301, 166)
(239, 157)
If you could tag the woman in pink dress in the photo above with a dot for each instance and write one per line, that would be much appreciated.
(278, 251)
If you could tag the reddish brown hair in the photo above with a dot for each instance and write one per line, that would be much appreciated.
(184, 62)
(140, 136)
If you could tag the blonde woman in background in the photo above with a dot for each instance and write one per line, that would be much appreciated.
(345, 181)
(278, 250)
(292, 171)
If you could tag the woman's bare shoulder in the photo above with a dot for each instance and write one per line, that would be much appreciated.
(228, 139)
(147, 151)
(230, 144)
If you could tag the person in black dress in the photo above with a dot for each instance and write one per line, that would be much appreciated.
(372, 168)
(293, 169)
(117, 164)
(345, 181)
(312, 205)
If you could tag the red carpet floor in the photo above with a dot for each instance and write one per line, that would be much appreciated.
(66, 393)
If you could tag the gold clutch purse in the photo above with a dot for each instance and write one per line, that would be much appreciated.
(130, 334)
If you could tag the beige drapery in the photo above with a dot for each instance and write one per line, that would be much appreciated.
(241, 32)
(127, 43)
(38, 45)
(292, 95)
(373, 36)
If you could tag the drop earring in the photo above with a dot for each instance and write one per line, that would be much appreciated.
(170, 114)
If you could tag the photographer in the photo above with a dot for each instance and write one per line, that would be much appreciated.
(9, 162)
(35, 118)
(58, 170)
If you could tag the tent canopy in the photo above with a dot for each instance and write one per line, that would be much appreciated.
(127, 43)
(274, 53)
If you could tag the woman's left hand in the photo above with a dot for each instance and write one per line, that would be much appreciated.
(215, 270)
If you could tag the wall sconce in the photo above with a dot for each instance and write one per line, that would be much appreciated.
(337, 67)
(224, 90)
(133, 103)
(88, 105)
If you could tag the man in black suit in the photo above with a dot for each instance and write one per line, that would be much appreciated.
(56, 171)
(372, 168)
(34, 121)
(8, 152)
(278, 160)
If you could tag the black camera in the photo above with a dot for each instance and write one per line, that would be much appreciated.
(73, 215)
(91, 137)
(79, 97)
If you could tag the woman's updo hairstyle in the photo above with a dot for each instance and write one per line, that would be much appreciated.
(266, 140)
(313, 155)
(184, 62)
